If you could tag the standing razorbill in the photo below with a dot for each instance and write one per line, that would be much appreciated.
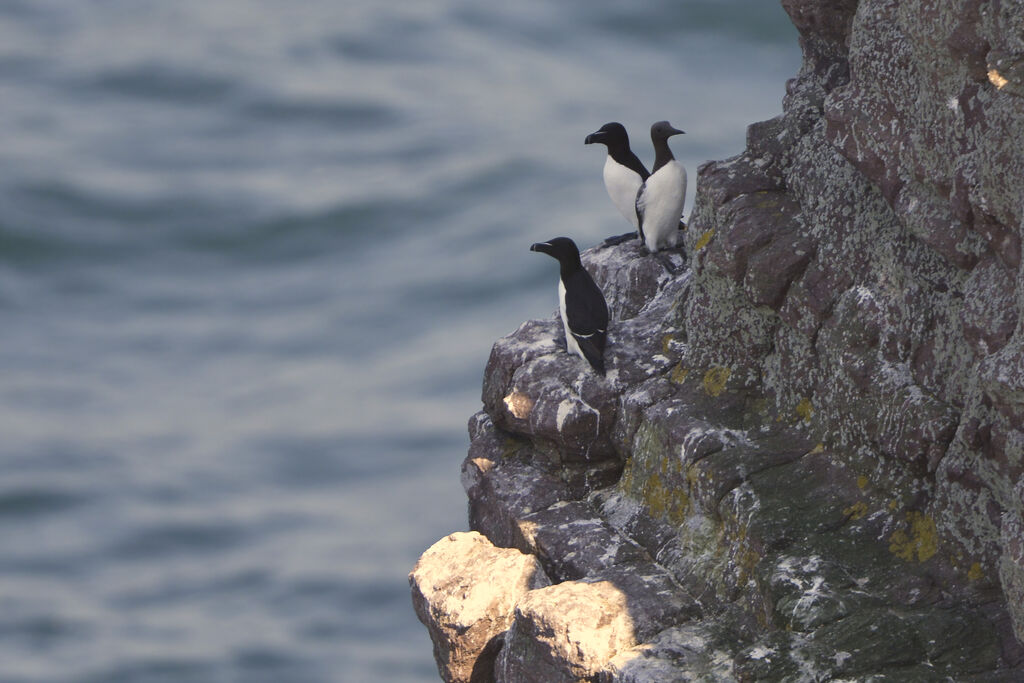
(580, 303)
(659, 202)
(624, 173)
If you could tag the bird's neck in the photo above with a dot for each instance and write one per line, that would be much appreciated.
(625, 157)
(618, 151)
(569, 267)
(662, 154)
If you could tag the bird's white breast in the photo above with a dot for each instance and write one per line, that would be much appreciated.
(622, 184)
(663, 205)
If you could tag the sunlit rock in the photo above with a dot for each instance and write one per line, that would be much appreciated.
(463, 591)
(569, 632)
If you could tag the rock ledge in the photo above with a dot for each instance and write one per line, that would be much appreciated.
(806, 462)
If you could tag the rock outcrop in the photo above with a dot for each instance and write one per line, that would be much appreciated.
(464, 590)
(805, 460)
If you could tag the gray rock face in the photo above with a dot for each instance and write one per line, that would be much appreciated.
(463, 591)
(812, 427)
(693, 652)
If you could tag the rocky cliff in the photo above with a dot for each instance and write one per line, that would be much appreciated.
(805, 461)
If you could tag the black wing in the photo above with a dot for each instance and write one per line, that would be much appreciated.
(587, 313)
(619, 239)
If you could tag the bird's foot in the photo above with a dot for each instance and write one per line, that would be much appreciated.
(673, 259)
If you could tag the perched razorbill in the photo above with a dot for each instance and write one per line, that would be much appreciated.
(624, 173)
(580, 303)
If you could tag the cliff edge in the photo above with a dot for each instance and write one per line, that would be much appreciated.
(805, 461)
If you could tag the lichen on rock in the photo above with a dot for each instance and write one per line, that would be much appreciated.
(805, 461)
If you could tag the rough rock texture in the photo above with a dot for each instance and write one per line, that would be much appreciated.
(812, 429)
(569, 631)
(463, 591)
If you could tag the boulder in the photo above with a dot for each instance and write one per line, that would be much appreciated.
(569, 631)
(463, 590)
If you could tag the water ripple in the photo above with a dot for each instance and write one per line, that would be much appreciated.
(162, 83)
(252, 257)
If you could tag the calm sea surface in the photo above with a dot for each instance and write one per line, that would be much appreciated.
(253, 255)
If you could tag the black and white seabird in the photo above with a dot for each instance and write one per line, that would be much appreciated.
(580, 303)
(624, 173)
(659, 202)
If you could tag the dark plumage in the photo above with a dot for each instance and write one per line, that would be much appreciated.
(580, 303)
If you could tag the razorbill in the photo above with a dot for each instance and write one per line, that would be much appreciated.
(624, 173)
(659, 201)
(580, 303)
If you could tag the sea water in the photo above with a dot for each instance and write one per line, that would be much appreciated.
(253, 255)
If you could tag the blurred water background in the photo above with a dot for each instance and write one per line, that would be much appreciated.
(253, 255)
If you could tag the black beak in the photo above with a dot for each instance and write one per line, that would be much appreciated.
(592, 138)
(676, 131)
(540, 246)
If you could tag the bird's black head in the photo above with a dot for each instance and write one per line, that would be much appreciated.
(611, 134)
(561, 248)
(663, 130)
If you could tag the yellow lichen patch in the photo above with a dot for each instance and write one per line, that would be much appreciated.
(745, 557)
(692, 475)
(900, 545)
(519, 405)
(862, 482)
(704, 239)
(893, 504)
(920, 542)
(747, 562)
(663, 502)
(997, 79)
(679, 373)
(820, 448)
(665, 341)
(654, 495)
(804, 410)
(626, 480)
(715, 379)
(655, 479)
(975, 573)
(857, 510)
